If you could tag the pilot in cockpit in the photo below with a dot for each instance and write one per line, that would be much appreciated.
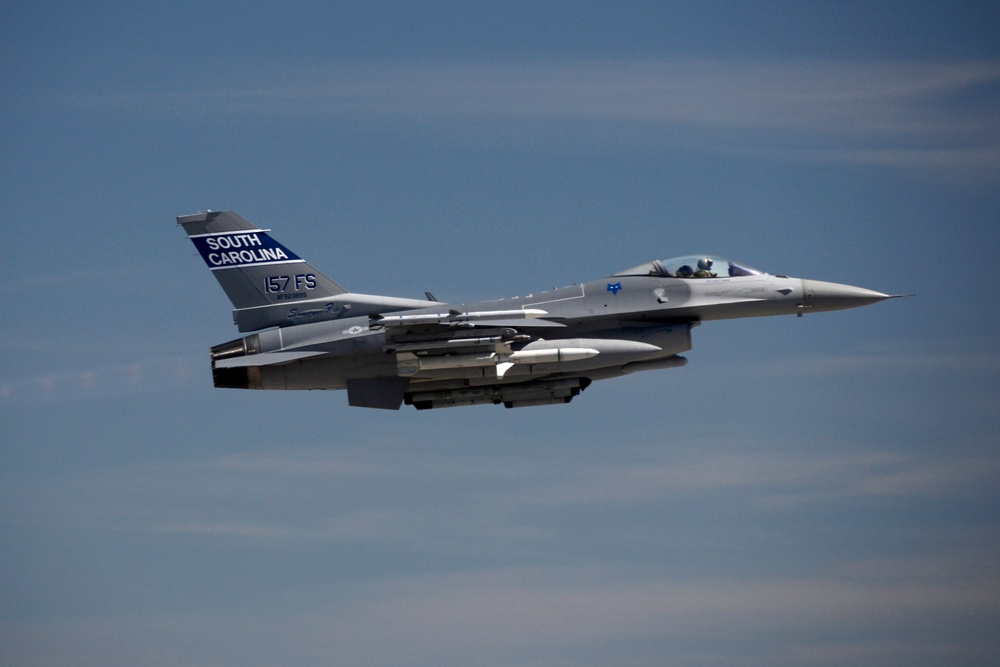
(705, 269)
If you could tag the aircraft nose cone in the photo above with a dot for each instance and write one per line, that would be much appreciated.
(819, 295)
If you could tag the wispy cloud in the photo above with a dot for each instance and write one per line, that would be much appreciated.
(118, 380)
(494, 570)
(496, 617)
(314, 496)
(912, 115)
(770, 480)
(543, 606)
(939, 357)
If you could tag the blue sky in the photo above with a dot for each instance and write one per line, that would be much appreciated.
(812, 491)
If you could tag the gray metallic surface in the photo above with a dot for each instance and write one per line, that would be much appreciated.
(538, 349)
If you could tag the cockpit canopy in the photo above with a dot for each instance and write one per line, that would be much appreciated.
(692, 266)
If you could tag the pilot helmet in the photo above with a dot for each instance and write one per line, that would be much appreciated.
(705, 264)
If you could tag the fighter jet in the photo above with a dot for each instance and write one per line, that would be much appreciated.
(539, 349)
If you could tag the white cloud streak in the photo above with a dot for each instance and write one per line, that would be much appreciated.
(488, 527)
(912, 115)
(313, 496)
(129, 378)
(497, 617)
(958, 357)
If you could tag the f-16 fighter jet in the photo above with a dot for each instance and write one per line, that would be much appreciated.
(539, 349)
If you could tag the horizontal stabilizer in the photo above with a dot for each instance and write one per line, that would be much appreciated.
(266, 359)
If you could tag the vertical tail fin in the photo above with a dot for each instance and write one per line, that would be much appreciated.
(268, 284)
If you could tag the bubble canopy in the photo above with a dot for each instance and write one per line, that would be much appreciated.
(692, 266)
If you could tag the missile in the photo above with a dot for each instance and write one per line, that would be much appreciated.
(455, 316)
(452, 343)
(551, 355)
(546, 355)
(524, 313)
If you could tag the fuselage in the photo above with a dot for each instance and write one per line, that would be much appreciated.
(538, 349)
(634, 323)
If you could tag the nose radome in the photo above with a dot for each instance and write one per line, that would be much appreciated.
(819, 295)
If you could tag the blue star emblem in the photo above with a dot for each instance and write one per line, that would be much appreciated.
(614, 287)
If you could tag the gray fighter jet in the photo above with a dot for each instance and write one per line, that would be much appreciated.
(537, 349)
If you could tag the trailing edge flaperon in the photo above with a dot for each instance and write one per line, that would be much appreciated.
(539, 349)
